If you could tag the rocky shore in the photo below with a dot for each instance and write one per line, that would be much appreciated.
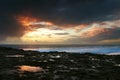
(17, 64)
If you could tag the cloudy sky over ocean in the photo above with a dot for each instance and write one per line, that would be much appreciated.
(59, 22)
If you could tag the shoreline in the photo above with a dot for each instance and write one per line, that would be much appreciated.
(17, 64)
(70, 49)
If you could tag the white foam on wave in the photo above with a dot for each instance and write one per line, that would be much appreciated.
(116, 53)
(77, 49)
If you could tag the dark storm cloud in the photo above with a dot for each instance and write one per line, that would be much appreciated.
(58, 11)
(114, 34)
(9, 27)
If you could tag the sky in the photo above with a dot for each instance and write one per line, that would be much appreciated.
(59, 21)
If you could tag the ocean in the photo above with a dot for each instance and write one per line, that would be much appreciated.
(70, 48)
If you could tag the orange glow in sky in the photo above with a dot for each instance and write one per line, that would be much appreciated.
(26, 21)
(39, 31)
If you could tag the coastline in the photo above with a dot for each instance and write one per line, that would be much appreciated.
(96, 49)
(17, 64)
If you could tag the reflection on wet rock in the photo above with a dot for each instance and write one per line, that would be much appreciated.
(30, 68)
(12, 56)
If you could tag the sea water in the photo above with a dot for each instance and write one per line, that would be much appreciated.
(70, 48)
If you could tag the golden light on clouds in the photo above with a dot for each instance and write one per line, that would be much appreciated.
(93, 30)
(43, 23)
(40, 31)
(44, 35)
(26, 21)
(110, 41)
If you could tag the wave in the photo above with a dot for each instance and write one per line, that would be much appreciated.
(116, 53)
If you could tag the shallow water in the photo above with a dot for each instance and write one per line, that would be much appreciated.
(30, 68)
(14, 56)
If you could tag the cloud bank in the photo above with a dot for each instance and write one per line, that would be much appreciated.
(64, 14)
